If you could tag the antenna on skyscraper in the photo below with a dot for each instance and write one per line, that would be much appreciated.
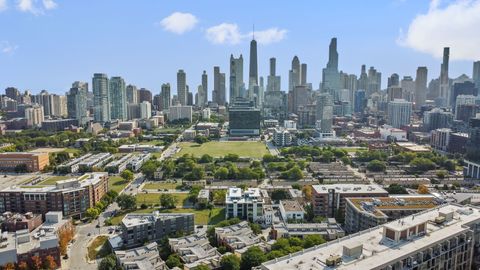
(253, 32)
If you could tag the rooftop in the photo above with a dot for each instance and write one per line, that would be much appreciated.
(131, 220)
(291, 206)
(378, 251)
(376, 205)
(349, 189)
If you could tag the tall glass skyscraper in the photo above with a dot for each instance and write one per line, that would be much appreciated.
(101, 98)
(118, 98)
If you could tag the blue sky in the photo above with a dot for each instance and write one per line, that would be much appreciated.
(50, 44)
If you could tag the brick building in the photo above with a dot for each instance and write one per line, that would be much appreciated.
(34, 161)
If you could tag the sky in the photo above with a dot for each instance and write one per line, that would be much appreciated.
(48, 44)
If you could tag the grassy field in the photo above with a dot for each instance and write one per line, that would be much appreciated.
(98, 248)
(202, 217)
(220, 149)
(154, 198)
(116, 183)
(152, 142)
(161, 185)
(72, 150)
(54, 179)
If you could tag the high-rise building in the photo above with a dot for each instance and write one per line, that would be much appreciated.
(132, 94)
(218, 94)
(58, 105)
(77, 103)
(253, 71)
(374, 81)
(444, 94)
(144, 95)
(437, 118)
(476, 74)
(399, 113)
(465, 107)
(294, 74)
(273, 81)
(421, 87)
(101, 98)
(408, 88)
(182, 87)
(203, 91)
(330, 74)
(394, 80)
(363, 79)
(244, 118)
(236, 77)
(303, 74)
(145, 110)
(165, 97)
(34, 116)
(462, 88)
(118, 99)
(324, 112)
(12, 93)
(360, 101)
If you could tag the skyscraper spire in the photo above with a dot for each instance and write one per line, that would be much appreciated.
(253, 32)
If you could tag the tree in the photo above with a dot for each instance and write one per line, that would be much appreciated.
(127, 175)
(9, 266)
(206, 159)
(108, 263)
(230, 262)
(307, 192)
(294, 173)
(168, 201)
(313, 240)
(126, 201)
(202, 267)
(422, 189)
(36, 262)
(221, 173)
(231, 157)
(22, 265)
(396, 189)
(149, 168)
(65, 235)
(422, 164)
(279, 194)
(219, 196)
(173, 261)
(269, 158)
(256, 229)
(200, 139)
(92, 213)
(49, 263)
(254, 256)
(376, 166)
(197, 173)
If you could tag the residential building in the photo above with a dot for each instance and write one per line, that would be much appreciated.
(238, 238)
(365, 213)
(236, 78)
(101, 98)
(77, 103)
(282, 137)
(440, 139)
(33, 162)
(218, 92)
(165, 97)
(440, 238)
(179, 112)
(72, 197)
(145, 110)
(55, 125)
(94, 161)
(329, 200)
(132, 94)
(399, 113)
(421, 86)
(16, 222)
(291, 210)
(195, 250)
(138, 228)
(244, 204)
(244, 119)
(34, 116)
(118, 98)
(141, 258)
(182, 87)
(329, 230)
(437, 118)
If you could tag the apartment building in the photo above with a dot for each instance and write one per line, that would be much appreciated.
(97, 160)
(439, 238)
(16, 222)
(195, 250)
(34, 162)
(291, 210)
(118, 165)
(138, 228)
(72, 165)
(72, 197)
(328, 200)
(141, 258)
(329, 230)
(365, 213)
(246, 204)
(239, 237)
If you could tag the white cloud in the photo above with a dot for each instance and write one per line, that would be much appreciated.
(49, 4)
(270, 35)
(27, 6)
(228, 33)
(7, 48)
(3, 5)
(225, 33)
(179, 22)
(455, 25)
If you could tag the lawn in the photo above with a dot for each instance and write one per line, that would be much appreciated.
(54, 179)
(98, 248)
(202, 217)
(152, 142)
(154, 198)
(161, 185)
(72, 151)
(116, 183)
(220, 149)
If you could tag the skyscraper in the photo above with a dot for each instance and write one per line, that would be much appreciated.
(118, 98)
(101, 98)
(294, 74)
(444, 80)
(218, 86)
(324, 112)
(421, 87)
(132, 94)
(303, 74)
(77, 102)
(204, 100)
(253, 71)
(273, 81)
(374, 81)
(144, 95)
(476, 74)
(182, 87)
(236, 77)
(399, 113)
(363, 79)
(330, 75)
(165, 97)
(394, 80)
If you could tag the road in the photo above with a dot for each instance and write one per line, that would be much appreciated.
(272, 148)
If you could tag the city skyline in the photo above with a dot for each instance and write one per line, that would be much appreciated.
(220, 37)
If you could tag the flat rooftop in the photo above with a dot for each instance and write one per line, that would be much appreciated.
(291, 205)
(349, 189)
(377, 251)
(376, 205)
(137, 219)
